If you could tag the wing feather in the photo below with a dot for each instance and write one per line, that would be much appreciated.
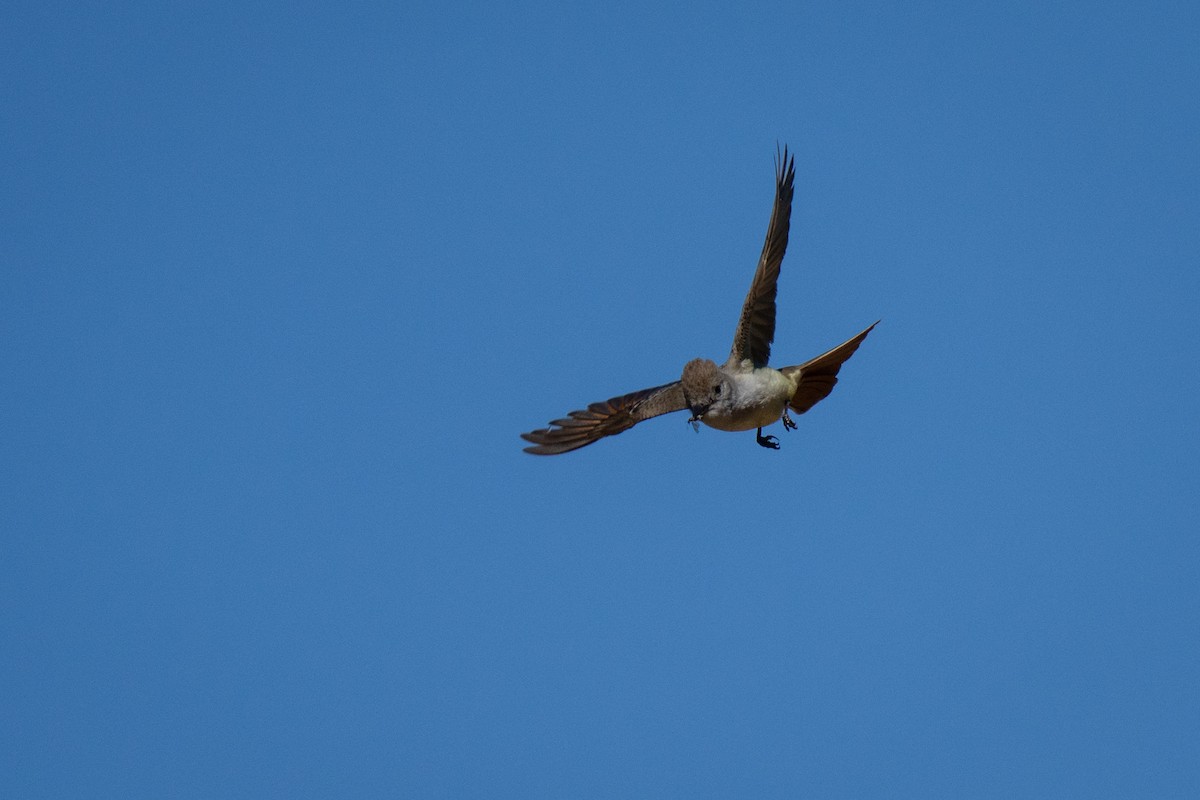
(817, 377)
(756, 327)
(581, 428)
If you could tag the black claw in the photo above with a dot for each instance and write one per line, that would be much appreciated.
(768, 441)
(788, 425)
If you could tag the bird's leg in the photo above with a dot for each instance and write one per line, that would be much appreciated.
(788, 425)
(767, 441)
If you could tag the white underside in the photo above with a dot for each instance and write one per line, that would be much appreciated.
(758, 399)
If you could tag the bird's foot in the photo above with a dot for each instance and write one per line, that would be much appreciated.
(788, 425)
(767, 441)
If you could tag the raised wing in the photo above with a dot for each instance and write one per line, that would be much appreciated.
(581, 428)
(756, 328)
(817, 377)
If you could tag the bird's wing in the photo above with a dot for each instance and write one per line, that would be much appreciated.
(756, 328)
(609, 418)
(815, 378)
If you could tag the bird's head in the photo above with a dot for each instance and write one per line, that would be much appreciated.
(703, 386)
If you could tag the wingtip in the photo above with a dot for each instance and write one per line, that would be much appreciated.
(867, 330)
(553, 449)
(785, 167)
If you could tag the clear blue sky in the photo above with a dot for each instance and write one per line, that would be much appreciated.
(282, 286)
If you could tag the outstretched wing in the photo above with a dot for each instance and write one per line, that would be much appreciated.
(609, 418)
(816, 378)
(756, 328)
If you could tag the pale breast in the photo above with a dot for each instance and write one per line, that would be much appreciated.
(758, 400)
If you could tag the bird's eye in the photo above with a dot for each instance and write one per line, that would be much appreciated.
(717, 389)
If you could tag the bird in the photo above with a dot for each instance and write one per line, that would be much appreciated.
(742, 394)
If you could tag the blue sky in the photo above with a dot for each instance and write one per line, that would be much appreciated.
(282, 286)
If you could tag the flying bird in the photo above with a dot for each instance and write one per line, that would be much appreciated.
(741, 394)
